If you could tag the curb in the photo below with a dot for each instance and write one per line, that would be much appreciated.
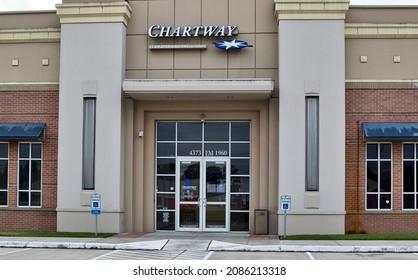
(215, 246)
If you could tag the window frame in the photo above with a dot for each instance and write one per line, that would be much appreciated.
(379, 193)
(202, 155)
(415, 161)
(7, 179)
(29, 190)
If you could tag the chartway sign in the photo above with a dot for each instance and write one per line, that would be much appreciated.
(158, 31)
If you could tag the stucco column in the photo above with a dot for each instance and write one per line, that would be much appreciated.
(93, 39)
(312, 64)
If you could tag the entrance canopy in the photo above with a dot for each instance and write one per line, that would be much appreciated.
(199, 89)
(391, 131)
(21, 132)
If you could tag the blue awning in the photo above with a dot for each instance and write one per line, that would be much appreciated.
(391, 131)
(21, 132)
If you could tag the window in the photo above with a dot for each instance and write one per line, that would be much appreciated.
(312, 143)
(410, 190)
(30, 181)
(89, 138)
(4, 171)
(379, 176)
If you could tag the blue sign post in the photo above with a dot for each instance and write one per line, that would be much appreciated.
(285, 205)
(96, 200)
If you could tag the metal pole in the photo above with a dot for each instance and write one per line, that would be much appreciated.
(285, 222)
(97, 226)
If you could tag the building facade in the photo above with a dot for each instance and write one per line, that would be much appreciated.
(188, 115)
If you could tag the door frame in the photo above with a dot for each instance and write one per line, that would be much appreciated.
(202, 201)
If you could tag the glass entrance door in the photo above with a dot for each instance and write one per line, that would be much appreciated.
(202, 194)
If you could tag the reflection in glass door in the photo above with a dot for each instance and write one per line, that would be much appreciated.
(215, 195)
(189, 195)
(202, 195)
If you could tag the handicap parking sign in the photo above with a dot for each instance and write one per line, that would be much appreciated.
(285, 201)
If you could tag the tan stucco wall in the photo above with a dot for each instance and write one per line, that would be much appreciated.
(382, 14)
(30, 57)
(257, 26)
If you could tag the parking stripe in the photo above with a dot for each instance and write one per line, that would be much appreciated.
(15, 251)
(155, 255)
(310, 256)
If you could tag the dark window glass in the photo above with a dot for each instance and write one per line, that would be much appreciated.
(188, 131)
(240, 166)
(166, 131)
(385, 151)
(36, 175)
(385, 201)
(166, 166)
(3, 174)
(372, 176)
(408, 201)
(240, 150)
(416, 201)
(240, 131)
(166, 149)
(408, 176)
(372, 201)
(166, 201)
(35, 199)
(217, 150)
(166, 220)
(408, 151)
(240, 202)
(4, 150)
(312, 144)
(215, 216)
(372, 151)
(166, 184)
(240, 221)
(3, 198)
(89, 144)
(23, 198)
(24, 150)
(216, 131)
(240, 184)
(385, 176)
(189, 149)
(36, 151)
(23, 174)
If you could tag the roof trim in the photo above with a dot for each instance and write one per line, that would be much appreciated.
(381, 31)
(310, 9)
(35, 35)
(94, 12)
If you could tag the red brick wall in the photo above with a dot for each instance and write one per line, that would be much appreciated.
(32, 107)
(376, 105)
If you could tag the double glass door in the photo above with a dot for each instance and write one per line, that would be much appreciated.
(202, 198)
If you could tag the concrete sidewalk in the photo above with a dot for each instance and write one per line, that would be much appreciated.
(212, 242)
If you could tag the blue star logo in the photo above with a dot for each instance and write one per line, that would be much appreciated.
(231, 44)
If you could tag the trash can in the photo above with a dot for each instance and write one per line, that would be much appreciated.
(261, 221)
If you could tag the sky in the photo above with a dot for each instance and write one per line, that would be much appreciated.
(24, 5)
